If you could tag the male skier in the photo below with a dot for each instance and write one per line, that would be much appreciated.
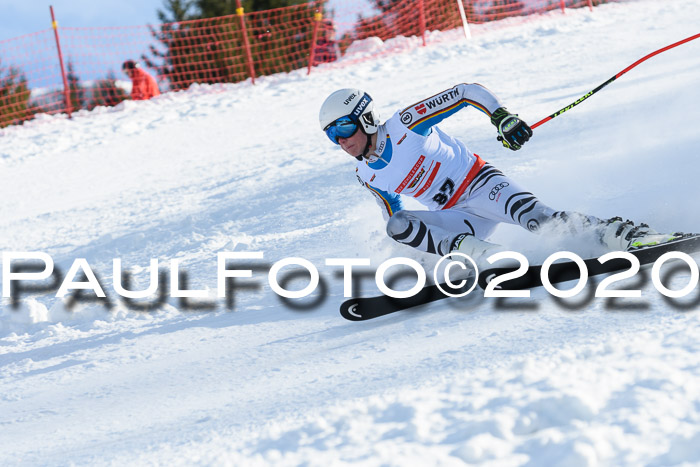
(466, 197)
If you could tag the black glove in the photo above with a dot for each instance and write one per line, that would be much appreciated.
(512, 131)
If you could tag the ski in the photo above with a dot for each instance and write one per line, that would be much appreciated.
(365, 308)
(568, 270)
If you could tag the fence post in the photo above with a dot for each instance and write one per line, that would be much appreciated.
(465, 24)
(246, 43)
(563, 6)
(66, 89)
(318, 17)
(421, 19)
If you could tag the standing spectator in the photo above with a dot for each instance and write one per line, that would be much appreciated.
(143, 85)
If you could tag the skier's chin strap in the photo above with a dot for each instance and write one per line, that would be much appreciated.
(367, 146)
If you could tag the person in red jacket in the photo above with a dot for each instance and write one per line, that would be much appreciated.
(143, 85)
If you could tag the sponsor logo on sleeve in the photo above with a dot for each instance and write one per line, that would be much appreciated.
(441, 99)
(406, 118)
(495, 191)
(402, 138)
(421, 109)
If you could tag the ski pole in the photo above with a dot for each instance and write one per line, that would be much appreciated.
(589, 94)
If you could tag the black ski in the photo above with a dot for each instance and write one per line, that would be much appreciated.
(568, 270)
(361, 309)
(364, 308)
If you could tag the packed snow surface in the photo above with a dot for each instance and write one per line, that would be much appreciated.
(257, 381)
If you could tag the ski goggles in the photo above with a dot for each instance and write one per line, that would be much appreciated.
(344, 127)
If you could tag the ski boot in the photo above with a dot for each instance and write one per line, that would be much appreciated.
(619, 235)
(473, 247)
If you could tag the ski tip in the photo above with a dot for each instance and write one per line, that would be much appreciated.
(350, 309)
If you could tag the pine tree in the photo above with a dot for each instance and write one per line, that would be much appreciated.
(401, 17)
(105, 92)
(503, 8)
(214, 8)
(14, 97)
(212, 51)
(77, 92)
(175, 11)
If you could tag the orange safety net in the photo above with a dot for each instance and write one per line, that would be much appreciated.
(226, 49)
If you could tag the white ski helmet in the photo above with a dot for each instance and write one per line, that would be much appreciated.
(354, 103)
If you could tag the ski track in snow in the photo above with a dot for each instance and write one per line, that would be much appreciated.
(245, 168)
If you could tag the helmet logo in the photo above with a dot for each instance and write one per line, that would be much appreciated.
(349, 99)
(361, 106)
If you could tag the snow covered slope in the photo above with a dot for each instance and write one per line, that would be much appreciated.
(245, 168)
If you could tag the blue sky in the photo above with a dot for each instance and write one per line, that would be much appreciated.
(18, 17)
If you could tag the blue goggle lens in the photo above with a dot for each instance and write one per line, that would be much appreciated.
(344, 127)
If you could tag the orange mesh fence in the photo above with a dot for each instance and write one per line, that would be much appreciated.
(362, 34)
(226, 49)
(483, 11)
(25, 80)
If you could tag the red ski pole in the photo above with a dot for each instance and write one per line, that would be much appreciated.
(589, 94)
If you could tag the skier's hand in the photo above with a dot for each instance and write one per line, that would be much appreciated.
(512, 131)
